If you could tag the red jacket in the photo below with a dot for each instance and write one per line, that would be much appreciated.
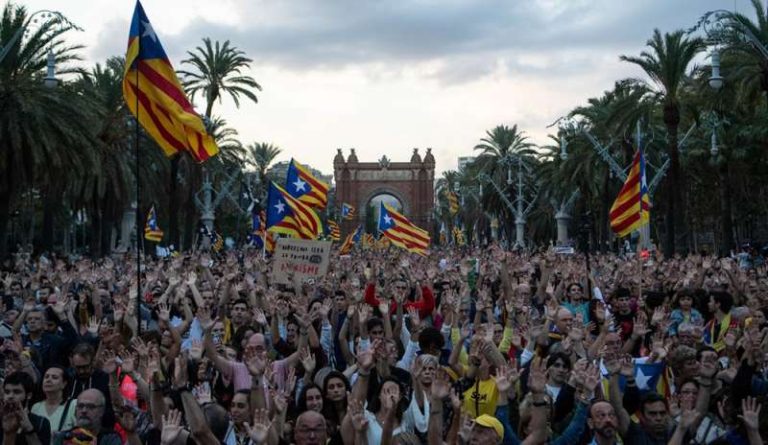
(425, 305)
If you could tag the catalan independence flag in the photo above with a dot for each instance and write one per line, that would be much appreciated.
(302, 185)
(351, 240)
(333, 230)
(631, 210)
(256, 237)
(155, 97)
(302, 221)
(152, 231)
(347, 211)
(401, 231)
(453, 203)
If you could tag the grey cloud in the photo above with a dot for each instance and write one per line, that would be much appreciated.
(468, 36)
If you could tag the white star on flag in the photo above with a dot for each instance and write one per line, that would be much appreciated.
(299, 184)
(642, 379)
(280, 206)
(387, 219)
(149, 31)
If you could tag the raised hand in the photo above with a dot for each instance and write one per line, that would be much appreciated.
(108, 361)
(627, 366)
(688, 418)
(259, 316)
(140, 347)
(204, 317)
(441, 386)
(255, 364)
(60, 307)
(466, 428)
(180, 372)
(365, 358)
(506, 376)
(93, 326)
(192, 278)
(750, 413)
(164, 312)
(259, 431)
(171, 427)
(537, 377)
(357, 414)
(308, 361)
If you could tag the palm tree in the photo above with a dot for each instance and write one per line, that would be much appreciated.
(667, 66)
(219, 70)
(499, 146)
(41, 129)
(262, 156)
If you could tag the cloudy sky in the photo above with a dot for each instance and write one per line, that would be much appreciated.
(385, 76)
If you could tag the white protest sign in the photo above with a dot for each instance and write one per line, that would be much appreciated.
(305, 258)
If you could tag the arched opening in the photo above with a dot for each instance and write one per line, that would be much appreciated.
(373, 206)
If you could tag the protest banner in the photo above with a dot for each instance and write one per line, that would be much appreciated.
(306, 259)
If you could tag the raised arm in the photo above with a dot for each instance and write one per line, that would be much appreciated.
(613, 366)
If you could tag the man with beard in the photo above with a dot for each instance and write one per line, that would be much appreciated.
(603, 422)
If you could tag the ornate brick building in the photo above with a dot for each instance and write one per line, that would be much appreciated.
(412, 183)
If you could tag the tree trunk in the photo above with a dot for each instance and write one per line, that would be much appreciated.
(173, 203)
(5, 214)
(726, 218)
(672, 120)
(94, 240)
(604, 219)
(51, 204)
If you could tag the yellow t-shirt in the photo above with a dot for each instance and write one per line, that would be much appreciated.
(481, 398)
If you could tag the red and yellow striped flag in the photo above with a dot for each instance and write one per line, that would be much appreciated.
(631, 210)
(333, 230)
(453, 203)
(155, 97)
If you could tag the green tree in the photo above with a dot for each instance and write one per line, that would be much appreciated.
(497, 149)
(41, 129)
(217, 69)
(667, 66)
(262, 155)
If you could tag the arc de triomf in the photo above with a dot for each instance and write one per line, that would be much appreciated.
(412, 183)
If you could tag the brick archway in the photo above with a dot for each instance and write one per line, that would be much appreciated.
(410, 182)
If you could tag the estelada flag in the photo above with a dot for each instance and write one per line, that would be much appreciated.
(402, 232)
(305, 187)
(155, 97)
(631, 210)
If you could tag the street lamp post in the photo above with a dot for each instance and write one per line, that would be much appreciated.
(521, 207)
(45, 14)
(720, 24)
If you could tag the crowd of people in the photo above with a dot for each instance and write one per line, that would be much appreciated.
(472, 346)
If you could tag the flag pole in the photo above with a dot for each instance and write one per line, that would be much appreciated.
(138, 200)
